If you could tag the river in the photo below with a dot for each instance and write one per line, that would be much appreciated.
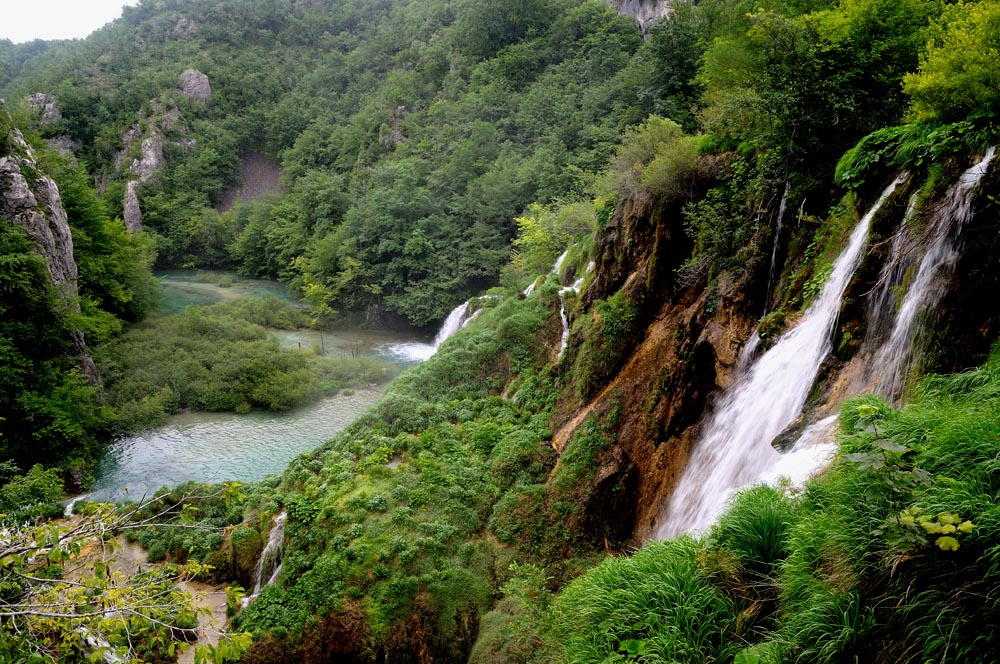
(213, 447)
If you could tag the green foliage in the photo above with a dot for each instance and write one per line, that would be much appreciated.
(47, 410)
(101, 612)
(957, 76)
(606, 337)
(38, 485)
(220, 358)
(755, 529)
(654, 606)
(655, 159)
(911, 146)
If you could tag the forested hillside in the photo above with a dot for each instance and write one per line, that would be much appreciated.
(409, 134)
(757, 233)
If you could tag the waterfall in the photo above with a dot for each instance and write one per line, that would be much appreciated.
(774, 250)
(895, 358)
(573, 288)
(735, 447)
(269, 563)
(555, 270)
(418, 352)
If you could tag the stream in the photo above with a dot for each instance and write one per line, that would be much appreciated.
(214, 447)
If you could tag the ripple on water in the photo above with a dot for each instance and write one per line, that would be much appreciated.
(213, 447)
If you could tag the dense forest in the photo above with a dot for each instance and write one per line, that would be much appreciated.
(640, 220)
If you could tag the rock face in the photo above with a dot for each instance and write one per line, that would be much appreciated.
(645, 12)
(133, 211)
(31, 200)
(195, 85)
(45, 106)
(150, 157)
(185, 28)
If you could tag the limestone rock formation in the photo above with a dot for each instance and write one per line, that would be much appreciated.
(150, 157)
(185, 28)
(645, 12)
(195, 85)
(31, 201)
(133, 211)
(46, 108)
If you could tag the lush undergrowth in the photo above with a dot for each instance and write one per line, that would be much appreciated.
(405, 525)
(889, 556)
(221, 358)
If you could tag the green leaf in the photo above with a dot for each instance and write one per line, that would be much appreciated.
(947, 543)
(889, 446)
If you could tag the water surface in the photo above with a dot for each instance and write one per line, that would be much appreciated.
(214, 447)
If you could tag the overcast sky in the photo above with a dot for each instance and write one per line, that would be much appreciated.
(24, 20)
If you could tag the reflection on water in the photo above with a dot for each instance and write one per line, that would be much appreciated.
(213, 447)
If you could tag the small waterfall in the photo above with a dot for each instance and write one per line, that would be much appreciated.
(573, 288)
(559, 262)
(774, 250)
(895, 358)
(735, 447)
(418, 352)
(555, 270)
(269, 563)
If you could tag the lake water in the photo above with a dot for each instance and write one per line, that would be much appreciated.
(213, 447)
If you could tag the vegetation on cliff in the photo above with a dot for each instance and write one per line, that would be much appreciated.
(443, 524)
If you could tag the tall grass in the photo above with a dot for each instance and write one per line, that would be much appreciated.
(655, 606)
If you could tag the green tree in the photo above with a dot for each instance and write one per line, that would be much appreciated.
(958, 74)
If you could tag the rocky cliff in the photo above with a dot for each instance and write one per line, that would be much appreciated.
(645, 12)
(31, 200)
(686, 343)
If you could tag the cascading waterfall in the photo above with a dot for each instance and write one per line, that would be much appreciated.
(573, 288)
(418, 352)
(269, 563)
(555, 270)
(895, 358)
(735, 448)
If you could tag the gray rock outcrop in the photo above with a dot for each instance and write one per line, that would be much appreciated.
(45, 106)
(35, 205)
(645, 12)
(133, 211)
(150, 157)
(185, 28)
(195, 85)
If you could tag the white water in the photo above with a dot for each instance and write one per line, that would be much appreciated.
(895, 359)
(414, 351)
(555, 270)
(573, 288)
(774, 250)
(269, 563)
(735, 448)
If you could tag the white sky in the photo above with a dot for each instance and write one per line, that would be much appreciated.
(24, 20)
